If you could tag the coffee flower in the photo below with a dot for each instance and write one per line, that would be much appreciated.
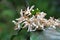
(35, 22)
(17, 25)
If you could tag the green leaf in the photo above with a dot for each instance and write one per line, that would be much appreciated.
(22, 35)
(4, 34)
(48, 34)
(8, 15)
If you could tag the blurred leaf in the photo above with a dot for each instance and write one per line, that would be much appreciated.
(4, 34)
(2, 6)
(48, 34)
(22, 35)
(8, 15)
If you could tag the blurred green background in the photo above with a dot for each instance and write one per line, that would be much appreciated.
(9, 10)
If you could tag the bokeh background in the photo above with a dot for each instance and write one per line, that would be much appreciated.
(9, 10)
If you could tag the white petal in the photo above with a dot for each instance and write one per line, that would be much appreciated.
(42, 26)
(38, 22)
(14, 22)
(21, 13)
(54, 27)
(29, 13)
(38, 16)
(27, 8)
(25, 26)
(34, 24)
(19, 26)
(26, 12)
(16, 29)
(18, 19)
(29, 28)
(42, 14)
(31, 7)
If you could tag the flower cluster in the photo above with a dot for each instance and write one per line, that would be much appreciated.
(35, 22)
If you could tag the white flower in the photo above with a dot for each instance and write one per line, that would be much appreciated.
(53, 26)
(38, 16)
(36, 21)
(42, 14)
(26, 24)
(32, 18)
(14, 22)
(21, 13)
(57, 20)
(17, 25)
(21, 19)
(28, 11)
(31, 7)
